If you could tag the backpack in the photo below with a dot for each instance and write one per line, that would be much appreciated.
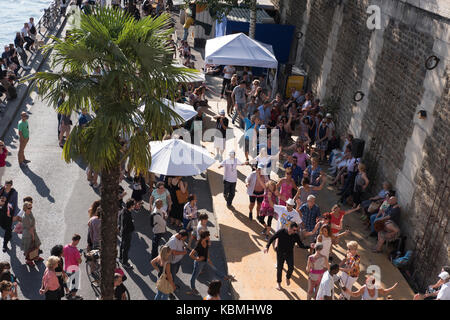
(33, 30)
(152, 218)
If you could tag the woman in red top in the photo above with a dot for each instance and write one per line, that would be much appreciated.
(50, 284)
(337, 215)
(3, 155)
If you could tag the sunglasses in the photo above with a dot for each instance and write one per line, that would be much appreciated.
(29, 208)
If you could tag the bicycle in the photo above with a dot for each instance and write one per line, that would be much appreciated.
(93, 270)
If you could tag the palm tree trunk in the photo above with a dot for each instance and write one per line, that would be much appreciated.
(110, 206)
(252, 30)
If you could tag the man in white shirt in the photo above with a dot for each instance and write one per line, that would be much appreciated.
(26, 36)
(287, 214)
(444, 292)
(177, 244)
(228, 72)
(307, 104)
(326, 287)
(230, 176)
(434, 291)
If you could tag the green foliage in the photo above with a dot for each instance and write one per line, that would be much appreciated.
(135, 61)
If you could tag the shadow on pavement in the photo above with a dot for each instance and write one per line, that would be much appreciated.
(39, 183)
(241, 243)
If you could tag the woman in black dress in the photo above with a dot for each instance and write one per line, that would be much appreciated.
(176, 212)
(57, 251)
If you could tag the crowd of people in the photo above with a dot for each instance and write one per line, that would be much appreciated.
(292, 199)
(15, 57)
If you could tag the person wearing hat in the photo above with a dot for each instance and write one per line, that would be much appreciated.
(370, 291)
(230, 176)
(440, 290)
(221, 133)
(24, 136)
(286, 238)
(444, 292)
(287, 214)
(255, 184)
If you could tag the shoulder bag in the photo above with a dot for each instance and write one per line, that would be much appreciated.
(182, 197)
(163, 285)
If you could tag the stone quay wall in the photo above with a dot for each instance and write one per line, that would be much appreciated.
(342, 55)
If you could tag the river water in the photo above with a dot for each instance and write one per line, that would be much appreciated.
(14, 13)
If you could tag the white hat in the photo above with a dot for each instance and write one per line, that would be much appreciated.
(328, 115)
(222, 111)
(260, 165)
(290, 202)
(444, 275)
(311, 197)
(232, 152)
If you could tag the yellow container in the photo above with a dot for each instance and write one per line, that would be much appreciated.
(294, 82)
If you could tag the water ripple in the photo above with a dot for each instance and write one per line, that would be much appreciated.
(14, 13)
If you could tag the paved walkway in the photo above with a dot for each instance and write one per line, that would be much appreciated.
(62, 197)
(255, 271)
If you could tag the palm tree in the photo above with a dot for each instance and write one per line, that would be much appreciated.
(111, 65)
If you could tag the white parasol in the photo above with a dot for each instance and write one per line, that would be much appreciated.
(176, 157)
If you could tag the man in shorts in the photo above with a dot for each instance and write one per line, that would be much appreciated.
(255, 190)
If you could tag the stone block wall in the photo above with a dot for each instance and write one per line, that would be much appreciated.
(342, 56)
(316, 40)
(348, 60)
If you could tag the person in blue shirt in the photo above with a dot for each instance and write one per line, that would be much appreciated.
(251, 128)
(297, 172)
(310, 213)
(313, 171)
(264, 112)
(83, 118)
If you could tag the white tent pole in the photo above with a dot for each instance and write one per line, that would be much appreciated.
(275, 84)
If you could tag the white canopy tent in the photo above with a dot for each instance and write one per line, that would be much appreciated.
(176, 157)
(239, 50)
(185, 111)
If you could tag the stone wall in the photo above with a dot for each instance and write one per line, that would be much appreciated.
(342, 56)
